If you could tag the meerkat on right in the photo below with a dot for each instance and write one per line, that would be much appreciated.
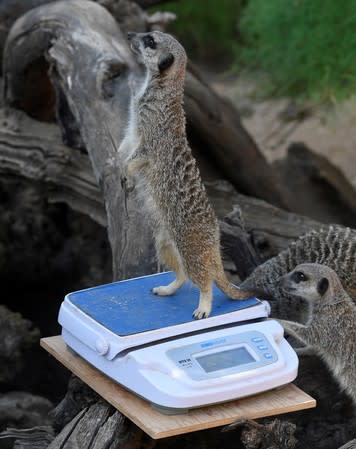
(331, 328)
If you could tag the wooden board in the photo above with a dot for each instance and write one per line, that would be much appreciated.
(287, 399)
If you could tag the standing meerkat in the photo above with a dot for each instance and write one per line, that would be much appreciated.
(331, 328)
(166, 177)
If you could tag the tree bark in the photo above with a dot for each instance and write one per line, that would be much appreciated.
(16, 334)
(93, 74)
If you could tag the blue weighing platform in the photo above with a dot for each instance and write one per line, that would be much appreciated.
(129, 307)
(129, 310)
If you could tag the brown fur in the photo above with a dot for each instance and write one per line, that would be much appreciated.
(167, 178)
(331, 327)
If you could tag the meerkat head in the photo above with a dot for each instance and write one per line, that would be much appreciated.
(161, 53)
(310, 281)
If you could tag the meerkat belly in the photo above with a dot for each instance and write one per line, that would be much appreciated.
(131, 140)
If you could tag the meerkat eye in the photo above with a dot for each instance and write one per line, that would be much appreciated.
(148, 41)
(299, 276)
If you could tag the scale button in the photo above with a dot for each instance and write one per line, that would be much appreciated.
(262, 347)
(101, 346)
(268, 355)
(257, 340)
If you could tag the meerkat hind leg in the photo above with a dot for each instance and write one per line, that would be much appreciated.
(169, 257)
(205, 302)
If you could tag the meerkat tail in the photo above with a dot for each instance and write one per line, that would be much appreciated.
(230, 289)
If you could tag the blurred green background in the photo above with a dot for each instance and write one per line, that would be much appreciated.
(306, 47)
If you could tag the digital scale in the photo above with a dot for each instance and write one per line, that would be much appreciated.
(153, 347)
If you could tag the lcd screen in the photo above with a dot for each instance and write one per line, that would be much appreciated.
(225, 359)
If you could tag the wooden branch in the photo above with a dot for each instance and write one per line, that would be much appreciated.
(79, 396)
(97, 427)
(23, 409)
(93, 73)
(38, 437)
(350, 445)
(319, 188)
(269, 229)
(215, 130)
(33, 150)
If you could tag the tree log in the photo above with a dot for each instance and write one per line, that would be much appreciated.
(16, 334)
(38, 437)
(33, 150)
(320, 189)
(99, 426)
(350, 445)
(214, 128)
(93, 73)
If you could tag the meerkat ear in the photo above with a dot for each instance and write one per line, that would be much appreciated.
(323, 285)
(165, 62)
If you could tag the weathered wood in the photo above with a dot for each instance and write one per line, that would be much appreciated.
(269, 228)
(34, 150)
(129, 15)
(215, 131)
(97, 427)
(85, 69)
(16, 335)
(78, 397)
(38, 437)
(350, 445)
(214, 128)
(274, 434)
(319, 188)
(22, 409)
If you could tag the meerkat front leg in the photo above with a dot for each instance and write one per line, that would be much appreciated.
(136, 164)
(297, 330)
(132, 167)
(306, 351)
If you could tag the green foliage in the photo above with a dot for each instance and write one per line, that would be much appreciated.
(307, 46)
(207, 28)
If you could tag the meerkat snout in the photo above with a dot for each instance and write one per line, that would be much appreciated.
(302, 281)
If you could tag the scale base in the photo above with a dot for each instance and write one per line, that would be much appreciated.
(274, 402)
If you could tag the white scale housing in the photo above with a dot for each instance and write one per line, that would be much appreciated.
(152, 347)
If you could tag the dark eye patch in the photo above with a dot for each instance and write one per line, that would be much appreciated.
(299, 276)
(148, 41)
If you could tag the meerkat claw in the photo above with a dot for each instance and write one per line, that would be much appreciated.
(199, 314)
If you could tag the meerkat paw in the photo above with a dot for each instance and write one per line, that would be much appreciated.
(199, 313)
(127, 184)
(163, 290)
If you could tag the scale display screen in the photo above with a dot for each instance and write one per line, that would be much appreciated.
(225, 359)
